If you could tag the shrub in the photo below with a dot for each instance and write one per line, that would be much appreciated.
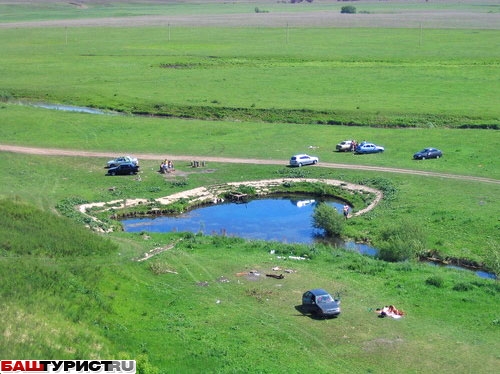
(435, 281)
(158, 268)
(257, 10)
(492, 261)
(401, 242)
(348, 9)
(144, 366)
(462, 287)
(366, 265)
(180, 182)
(5, 96)
(244, 189)
(328, 218)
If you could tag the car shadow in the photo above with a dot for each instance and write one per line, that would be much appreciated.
(304, 313)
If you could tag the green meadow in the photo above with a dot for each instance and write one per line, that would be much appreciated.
(26, 10)
(316, 75)
(69, 292)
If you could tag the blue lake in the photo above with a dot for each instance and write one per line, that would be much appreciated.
(283, 219)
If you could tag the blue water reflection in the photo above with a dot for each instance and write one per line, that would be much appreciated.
(69, 108)
(484, 274)
(479, 273)
(364, 249)
(283, 219)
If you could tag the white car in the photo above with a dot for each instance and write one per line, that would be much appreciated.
(122, 160)
(303, 159)
(344, 146)
(364, 148)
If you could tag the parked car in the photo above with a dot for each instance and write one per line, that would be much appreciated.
(122, 160)
(303, 159)
(344, 146)
(320, 303)
(428, 153)
(368, 148)
(128, 168)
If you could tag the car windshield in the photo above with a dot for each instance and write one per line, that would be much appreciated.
(324, 299)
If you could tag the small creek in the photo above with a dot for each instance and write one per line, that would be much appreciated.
(68, 108)
(282, 219)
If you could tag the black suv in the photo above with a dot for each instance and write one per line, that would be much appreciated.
(127, 168)
(320, 303)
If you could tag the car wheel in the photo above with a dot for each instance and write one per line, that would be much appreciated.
(300, 164)
(112, 173)
(437, 156)
(315, 162)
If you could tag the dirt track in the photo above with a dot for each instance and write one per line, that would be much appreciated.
(146, 156)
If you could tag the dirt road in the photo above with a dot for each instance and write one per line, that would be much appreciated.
(148, 156)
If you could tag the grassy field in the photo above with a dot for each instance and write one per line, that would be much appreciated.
(247, 92)
(412, 77)
(26, 10)
(191, 310)
(466, 152)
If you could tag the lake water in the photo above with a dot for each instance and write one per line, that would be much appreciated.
(283, 219)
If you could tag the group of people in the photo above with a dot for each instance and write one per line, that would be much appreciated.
(389, 311)
(354, 144)
(166, 166)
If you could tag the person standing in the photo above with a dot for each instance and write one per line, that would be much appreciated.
(346, 211)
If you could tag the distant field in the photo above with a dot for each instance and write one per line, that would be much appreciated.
(323, 75)
(188, 59)
(484, 14)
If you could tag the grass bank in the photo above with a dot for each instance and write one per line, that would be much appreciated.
(466, 152)
(195, 304)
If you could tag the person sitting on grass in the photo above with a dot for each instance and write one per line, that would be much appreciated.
(389, 311)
